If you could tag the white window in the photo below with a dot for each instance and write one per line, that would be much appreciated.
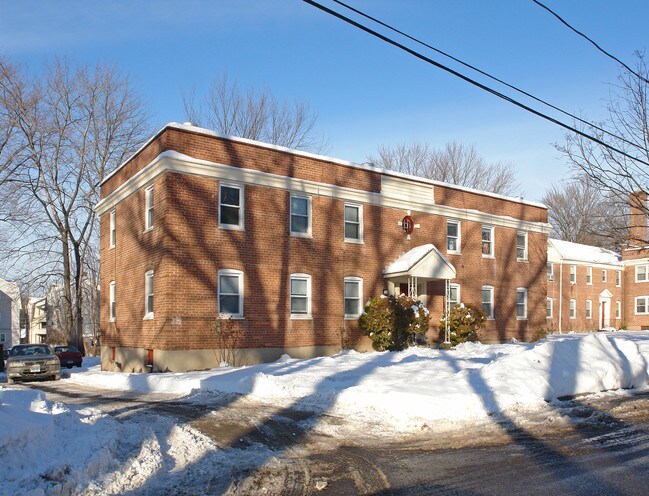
(521, 246)
(148, 295)
(230, 206)
(573, 274)
(604, 276)
(149, 207)
(300, 296)
(589, 309)
(487, 241)
(111, 301)
(353, 223)
(618, 310)
(640, 273)
(453, 294)
(548, 308)
(573, 309)
(2, 337)
(452, 236)
(353, 297)
(488, 301)
(113, 232)
(521, 303)
(589, 275)
(550, 271)
(642, 305)
(300, 215)
(230, 291)
(618, 278)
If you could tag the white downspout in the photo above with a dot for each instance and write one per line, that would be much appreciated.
(560, 294)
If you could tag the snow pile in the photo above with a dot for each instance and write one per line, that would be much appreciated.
(421, 386)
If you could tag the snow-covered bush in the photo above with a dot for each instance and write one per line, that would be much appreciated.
(394, 322)
(464, 322)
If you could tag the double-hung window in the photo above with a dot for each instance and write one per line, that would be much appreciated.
(618, 278)
(573, 309)
(604, 275)
(148, 295)
(618, 310)
(148, 193)
(550, 271)
(642, 305)
(548, 308)
(353, 223)
(230, 206)
(487, 241)
(230, 291)
(573, 274)
(353, 297)
(300, 296)
(113, 230)
(521, 303)
(521, 246)
(641, 273)
(300, 215)
(589, 275)
(589, 309)
(488, 301)
(453, 294)
(111, 301)
(452, 236)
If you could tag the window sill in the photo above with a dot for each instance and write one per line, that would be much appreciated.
(548, 318)
(488, 256)
(521, 318)
(111, 320)
(226, 316)
(148, 229)
(231, 227)
(525, 260)
(110, 247)
(354, 241)
(301, 235)
(301, 317)
(455, 253)
(148, 316)
(352, 317)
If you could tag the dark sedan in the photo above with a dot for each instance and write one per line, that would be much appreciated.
(32, 361)
(69, 356)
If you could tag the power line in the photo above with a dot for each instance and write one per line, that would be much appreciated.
(486, 74)
(471, 81)
(565, 23)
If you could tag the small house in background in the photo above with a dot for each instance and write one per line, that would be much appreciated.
(584, 287)
(37, 320)
(10, 309)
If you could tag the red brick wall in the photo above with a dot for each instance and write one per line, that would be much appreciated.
(186, 248)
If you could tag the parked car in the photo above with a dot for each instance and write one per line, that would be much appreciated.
(32, 361)
(69, 356)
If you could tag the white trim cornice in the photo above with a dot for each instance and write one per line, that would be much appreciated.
(171, 161)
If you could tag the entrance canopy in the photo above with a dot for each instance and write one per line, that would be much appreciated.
(423, 262)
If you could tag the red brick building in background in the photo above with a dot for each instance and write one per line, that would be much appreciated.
(635, 256)
(584, 288)
(286, 247)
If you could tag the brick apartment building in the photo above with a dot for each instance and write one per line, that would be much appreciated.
(635, 256)
(286, 247)
(584, 287)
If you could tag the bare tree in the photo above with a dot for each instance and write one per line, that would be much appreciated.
(455, 163)
(256, 115)
(625, 128)
(70, 128)
(580, 212)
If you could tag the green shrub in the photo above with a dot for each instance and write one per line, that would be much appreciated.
(464, 322)
(394, 322)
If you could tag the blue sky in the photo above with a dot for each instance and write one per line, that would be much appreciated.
(366, 92)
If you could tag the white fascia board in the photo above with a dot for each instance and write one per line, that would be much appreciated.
(368, 167)
(171, 161)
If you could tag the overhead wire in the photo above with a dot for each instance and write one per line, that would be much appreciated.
(470, 80)
(611, 56)
(486, 74)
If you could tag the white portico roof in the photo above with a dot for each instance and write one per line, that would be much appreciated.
(423, 262)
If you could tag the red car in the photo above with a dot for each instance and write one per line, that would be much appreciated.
(69, 356)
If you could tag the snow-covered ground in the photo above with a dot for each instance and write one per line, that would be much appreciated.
(51, 448)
